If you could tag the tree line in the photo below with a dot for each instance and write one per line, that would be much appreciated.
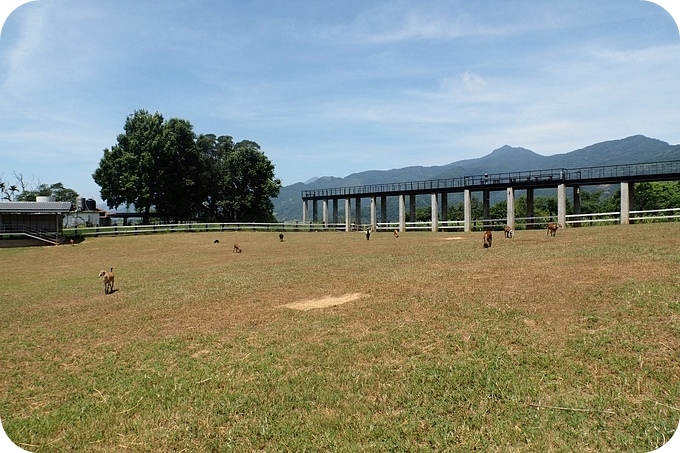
(21, 191)
(164, 169)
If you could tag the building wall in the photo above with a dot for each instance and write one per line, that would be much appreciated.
(82, 218)
(49, 222)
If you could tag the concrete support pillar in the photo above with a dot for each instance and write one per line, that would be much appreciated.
(486, 196)
(625, 203)
(435, 214)
(562, 205)
(374, 217)
(445, 206)
(467, 209)
(304, 211)
(357, 212)
(631, 199)
(402, 214)
(510, 192)
(577, 203)
(325, 213)
(530, 209)
(412, 208)
(383, 209)
(348, 215)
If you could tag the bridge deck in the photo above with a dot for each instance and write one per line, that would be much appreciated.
(642, 172)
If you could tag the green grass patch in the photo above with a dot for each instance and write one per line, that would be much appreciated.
(566, 343)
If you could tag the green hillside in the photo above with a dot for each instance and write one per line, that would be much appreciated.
(634, 149)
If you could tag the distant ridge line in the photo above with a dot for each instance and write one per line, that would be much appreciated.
(633, 149)
(543, 178)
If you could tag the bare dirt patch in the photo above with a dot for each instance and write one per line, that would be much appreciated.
(325, 302)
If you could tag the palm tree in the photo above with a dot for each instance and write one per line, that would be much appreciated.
(13, 188)
(3, 191)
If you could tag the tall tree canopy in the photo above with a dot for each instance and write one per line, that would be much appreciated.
(163, 165)
(129, 172)
(178, 192)
(246, 184)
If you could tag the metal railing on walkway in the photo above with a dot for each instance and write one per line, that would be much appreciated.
(652, 171)
(51, 237)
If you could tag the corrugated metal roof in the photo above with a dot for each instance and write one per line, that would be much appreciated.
(32, 207)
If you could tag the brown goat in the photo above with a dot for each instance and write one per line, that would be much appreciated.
(396, 233)
(488, 238)
(107, 278)
(237, 249)
(509, 232)
(552, 228)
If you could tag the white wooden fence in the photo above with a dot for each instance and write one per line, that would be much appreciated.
(655, 215)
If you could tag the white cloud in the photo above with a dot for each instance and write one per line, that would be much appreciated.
(398, 22)
(473, 82)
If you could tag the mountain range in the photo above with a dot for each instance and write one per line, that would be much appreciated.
(630, 150)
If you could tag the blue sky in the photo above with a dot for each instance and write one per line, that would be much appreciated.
(334, 88)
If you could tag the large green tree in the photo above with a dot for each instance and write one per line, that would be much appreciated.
(213, 151)
(179, 194)
(163, 165)
(130, 172)
(244, 184)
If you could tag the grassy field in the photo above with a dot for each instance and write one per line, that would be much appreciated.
(546, 344)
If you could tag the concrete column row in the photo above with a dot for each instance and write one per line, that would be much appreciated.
(626, 203)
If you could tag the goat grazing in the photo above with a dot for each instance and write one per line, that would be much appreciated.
(396, 233)
(281, 237)
(237, 249)
(509, 232)
(107, 278)
(488, 237)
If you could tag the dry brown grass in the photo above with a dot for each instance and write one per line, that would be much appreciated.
(450, 346)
